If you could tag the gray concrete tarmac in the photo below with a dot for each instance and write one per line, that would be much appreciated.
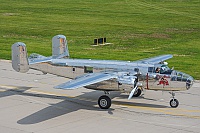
(30, 104)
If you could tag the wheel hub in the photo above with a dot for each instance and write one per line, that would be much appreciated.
(173, 103)
(103, 102)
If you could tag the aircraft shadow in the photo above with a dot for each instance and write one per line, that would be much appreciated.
(67, 105)
(132, 103)
(10, 92)
(139, 104)
(50, 112)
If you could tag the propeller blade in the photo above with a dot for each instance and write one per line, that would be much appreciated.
(132, 92)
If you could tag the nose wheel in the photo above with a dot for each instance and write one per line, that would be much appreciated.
(173, 102)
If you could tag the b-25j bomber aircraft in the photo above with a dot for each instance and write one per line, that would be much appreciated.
(105, 75)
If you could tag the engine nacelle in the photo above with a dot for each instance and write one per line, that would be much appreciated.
(127, 80)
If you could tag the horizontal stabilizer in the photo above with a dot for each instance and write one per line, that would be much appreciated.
(36, 58)
(85, 80)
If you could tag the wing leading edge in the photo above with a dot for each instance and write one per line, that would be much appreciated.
(85, 80)
(156, 59)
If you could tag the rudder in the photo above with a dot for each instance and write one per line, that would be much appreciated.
(59, 47)
(19, 57)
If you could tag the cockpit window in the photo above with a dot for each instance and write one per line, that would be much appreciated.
(165, 70)
(151, 69)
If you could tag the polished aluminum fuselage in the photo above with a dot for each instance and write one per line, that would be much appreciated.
(72, 68)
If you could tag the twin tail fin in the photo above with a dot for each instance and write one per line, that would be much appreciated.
(21, 62)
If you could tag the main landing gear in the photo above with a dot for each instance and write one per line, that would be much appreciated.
(137, 93)
(104, 102)
(173, 102)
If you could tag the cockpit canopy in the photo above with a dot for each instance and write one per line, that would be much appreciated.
(161, 69)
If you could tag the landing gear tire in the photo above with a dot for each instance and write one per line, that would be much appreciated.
(174, 103)
(104, 102)
(137, 93)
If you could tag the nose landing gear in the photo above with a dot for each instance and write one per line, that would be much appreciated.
(173, 102)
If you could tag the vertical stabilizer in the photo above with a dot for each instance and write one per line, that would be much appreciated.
(19, 57)
(59, 47)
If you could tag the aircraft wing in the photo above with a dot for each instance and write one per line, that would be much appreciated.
(85, 80)
(156, 59)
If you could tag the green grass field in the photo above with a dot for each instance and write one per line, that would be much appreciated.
(137, 28)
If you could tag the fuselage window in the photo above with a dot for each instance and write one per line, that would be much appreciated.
(88, 69)
(73, 69)
(151, 69)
